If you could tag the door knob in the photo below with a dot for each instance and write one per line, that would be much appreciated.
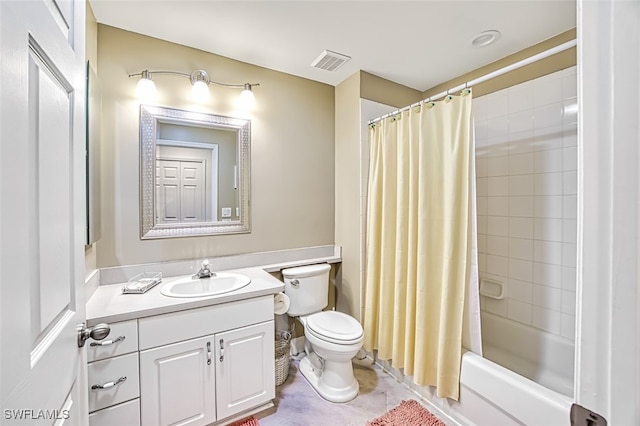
(97, 332)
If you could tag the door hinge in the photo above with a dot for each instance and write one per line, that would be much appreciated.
(581, 416)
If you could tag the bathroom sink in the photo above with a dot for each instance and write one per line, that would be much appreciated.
(222, 282)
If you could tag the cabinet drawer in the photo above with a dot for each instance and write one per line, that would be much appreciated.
(106, 373)
(122, 339)
(178, 326)
(125, 414)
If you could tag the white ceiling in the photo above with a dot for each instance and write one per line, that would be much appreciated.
(416, 43)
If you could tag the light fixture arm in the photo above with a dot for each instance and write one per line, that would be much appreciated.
(197, 75)
(239, 86)
(147, 74)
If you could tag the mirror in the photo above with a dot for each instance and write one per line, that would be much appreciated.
(194, 173)
(92, 154)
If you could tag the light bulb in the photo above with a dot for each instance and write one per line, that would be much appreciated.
(200, 91)
(247, 98)
(146, 89)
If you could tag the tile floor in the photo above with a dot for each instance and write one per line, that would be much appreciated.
(297, 404)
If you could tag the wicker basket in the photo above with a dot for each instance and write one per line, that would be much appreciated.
(282, 361)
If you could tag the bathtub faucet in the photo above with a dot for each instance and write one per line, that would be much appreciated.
(204, 271)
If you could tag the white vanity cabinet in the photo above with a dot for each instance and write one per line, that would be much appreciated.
(113, 377)
(202, 366)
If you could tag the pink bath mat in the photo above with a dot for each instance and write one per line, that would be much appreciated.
(408, 413)
(249, 421)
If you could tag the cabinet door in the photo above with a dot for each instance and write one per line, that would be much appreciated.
(245, 372)
(177, 384)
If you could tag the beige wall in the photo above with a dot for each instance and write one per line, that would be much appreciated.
(91, 46)
(292, 151)
(387, 92)
(347, 211)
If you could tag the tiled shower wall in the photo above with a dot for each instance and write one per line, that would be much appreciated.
(526, 163)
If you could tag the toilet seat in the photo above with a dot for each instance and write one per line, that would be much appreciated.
(334, 327)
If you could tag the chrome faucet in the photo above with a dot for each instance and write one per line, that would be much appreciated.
(204, 271)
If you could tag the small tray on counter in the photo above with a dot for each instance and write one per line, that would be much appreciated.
(142, 283)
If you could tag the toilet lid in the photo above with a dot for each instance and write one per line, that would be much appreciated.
(334, 327)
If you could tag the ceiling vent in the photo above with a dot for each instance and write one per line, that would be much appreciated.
(330, 61)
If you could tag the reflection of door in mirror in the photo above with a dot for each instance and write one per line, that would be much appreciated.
(214, 188)
(180, 195)
(186, 182)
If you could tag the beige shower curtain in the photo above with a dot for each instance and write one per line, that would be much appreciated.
(419, 240)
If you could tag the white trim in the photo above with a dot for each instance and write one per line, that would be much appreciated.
(184, 144)
(607, 376)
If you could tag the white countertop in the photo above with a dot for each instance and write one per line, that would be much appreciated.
(108, 304)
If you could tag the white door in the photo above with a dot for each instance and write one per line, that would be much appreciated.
(177, 384)
(167, 191)
(42, 205)
(180, 191)
(192, 193)
(245, 372)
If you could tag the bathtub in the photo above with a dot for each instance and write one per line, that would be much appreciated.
(491, 394)
(542, 357)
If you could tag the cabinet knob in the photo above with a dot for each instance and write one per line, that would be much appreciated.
(97, 332)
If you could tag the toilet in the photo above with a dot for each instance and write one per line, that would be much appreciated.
(332, 338)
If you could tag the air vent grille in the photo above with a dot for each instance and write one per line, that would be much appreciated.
(330, 61)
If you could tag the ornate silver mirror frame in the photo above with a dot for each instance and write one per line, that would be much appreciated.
(150, 118)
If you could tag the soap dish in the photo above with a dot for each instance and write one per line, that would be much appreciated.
(142, 283)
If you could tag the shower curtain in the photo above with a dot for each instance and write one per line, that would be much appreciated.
(421, 284)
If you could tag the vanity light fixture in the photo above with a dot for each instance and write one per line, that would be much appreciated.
(146, 88)
(247, 98)
(200, 80)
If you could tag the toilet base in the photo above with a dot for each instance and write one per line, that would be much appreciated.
(335, 383)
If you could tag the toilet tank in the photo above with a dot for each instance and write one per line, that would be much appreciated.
(307, 288)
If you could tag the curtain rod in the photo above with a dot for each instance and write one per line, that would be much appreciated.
(493, 74)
